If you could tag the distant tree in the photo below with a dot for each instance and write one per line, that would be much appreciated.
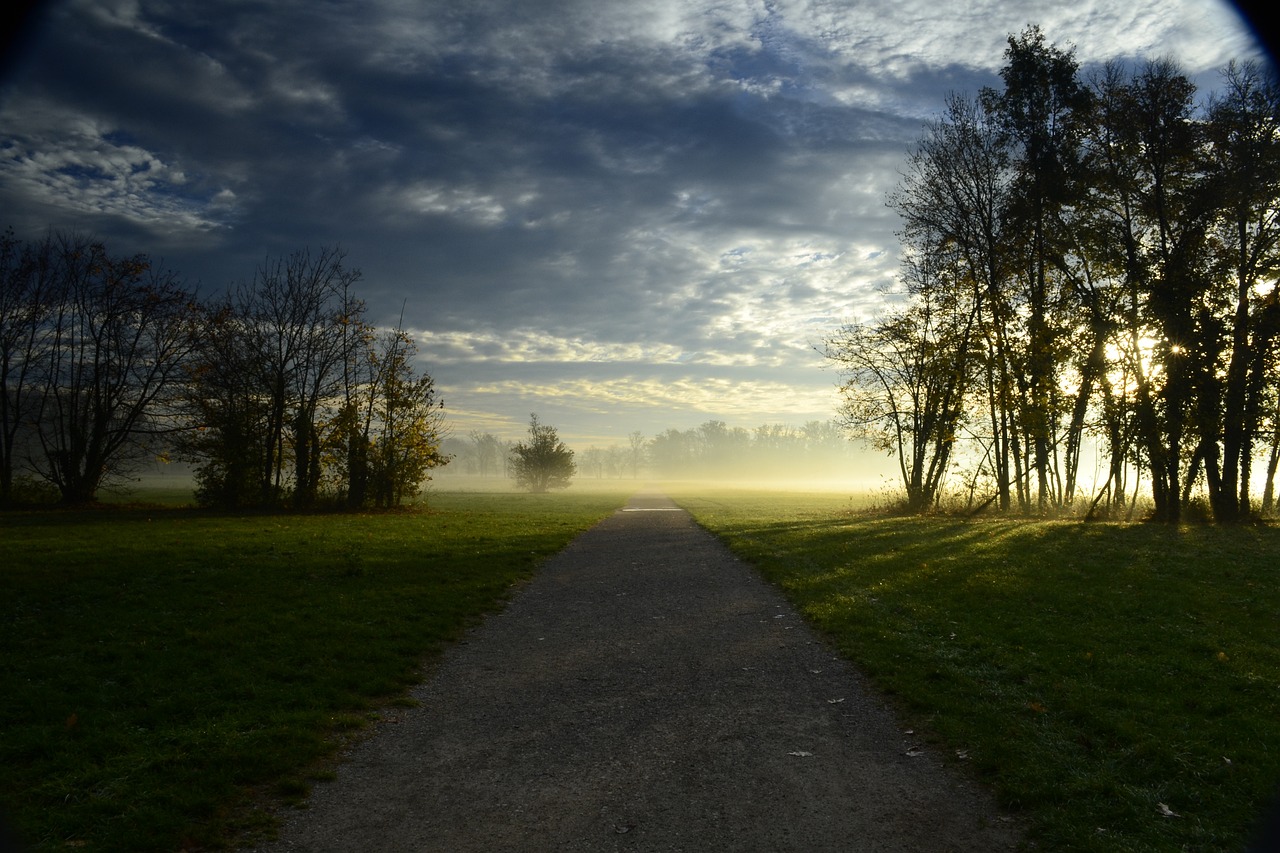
(486, 450)
(543, 462)
(615, 460)
(636, 452)
(673, 452)
(593, 462)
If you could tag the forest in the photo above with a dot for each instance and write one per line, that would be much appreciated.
(1089, 262)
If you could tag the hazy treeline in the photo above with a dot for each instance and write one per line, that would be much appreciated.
(713, 449)
(278, 391)
(818, 449)
(1088, 261)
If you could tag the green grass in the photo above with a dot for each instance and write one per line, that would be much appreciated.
(166, 673)
(1090, 672)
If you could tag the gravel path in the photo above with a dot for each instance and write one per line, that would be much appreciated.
(646, 691)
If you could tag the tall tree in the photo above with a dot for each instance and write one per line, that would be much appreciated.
(1174, 213)
(1243, 132)
(954, 202)
(26, 299)
(118, 336)
(1044, 110)
(282, 348)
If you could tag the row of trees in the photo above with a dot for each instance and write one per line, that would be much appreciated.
(277, 391)
(712, 449)
(1087, 262)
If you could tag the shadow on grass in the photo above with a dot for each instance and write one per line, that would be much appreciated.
(1098, 675)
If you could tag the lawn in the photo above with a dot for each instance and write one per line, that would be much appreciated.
(1119, 685)
(168, 674)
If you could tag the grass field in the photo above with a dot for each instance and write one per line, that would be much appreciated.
(167, 672)
(1119, 685)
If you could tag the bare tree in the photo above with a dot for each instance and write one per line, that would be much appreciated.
(26, 299)
(905, 380)
(280, 351)
(488, 451)
(636, 451)
(118, 336)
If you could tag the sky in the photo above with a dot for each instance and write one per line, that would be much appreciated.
(619, 214)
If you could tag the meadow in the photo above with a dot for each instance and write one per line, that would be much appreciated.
(171, 676)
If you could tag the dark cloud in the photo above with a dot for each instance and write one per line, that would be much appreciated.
(650, 208)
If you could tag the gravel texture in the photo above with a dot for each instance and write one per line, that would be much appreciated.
(646, 691)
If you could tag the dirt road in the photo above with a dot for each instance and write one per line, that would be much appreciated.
(648, 692)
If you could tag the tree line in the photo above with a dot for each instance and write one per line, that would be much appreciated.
(711, 449)
(278, 391)
(1087, 261)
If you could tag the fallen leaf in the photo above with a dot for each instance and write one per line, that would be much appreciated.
(1037, 707)
(834, 701)
(914, 751)
(1165, 811)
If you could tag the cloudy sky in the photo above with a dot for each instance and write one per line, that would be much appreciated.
(620, 214)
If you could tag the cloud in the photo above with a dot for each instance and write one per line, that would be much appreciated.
(653, 205)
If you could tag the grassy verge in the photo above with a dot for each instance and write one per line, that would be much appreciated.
(1118, 684)
(164, 669)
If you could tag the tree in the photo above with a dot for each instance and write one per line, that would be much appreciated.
(1043, 110)
(279, 350)
(26, 291)
(1244, 141)
(487, 451)
(954, 202)
(543, 462)
(408, 424)
(1094, 263)
(904, 389)
(227, 413)
(635, 451)
(117, 338)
